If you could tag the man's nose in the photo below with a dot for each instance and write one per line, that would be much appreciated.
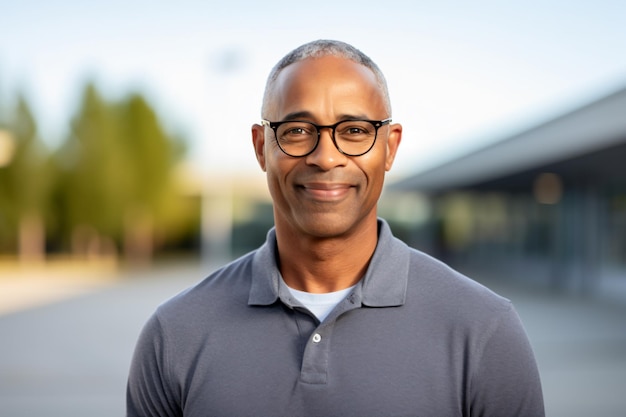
(326, 155)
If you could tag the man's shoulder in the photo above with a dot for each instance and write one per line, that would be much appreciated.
(433, 280)
(227, 285)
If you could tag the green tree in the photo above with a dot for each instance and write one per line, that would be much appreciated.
(152, 155)
(117, 165)
(24, 185)
(93, 179)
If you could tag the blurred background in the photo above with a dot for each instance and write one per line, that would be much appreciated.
(127, 171)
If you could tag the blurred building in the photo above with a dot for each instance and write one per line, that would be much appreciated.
(547, 204)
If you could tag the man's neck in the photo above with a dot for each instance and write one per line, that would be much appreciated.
(320, 265)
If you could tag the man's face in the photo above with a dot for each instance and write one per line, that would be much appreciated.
(326, 193)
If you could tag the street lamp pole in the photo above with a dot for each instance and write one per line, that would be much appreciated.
(217, 198)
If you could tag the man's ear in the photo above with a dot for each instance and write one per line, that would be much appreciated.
(258, 140)
(393, 141)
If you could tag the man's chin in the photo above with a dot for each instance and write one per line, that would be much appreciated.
(327, 225)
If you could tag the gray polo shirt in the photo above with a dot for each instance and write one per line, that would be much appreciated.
(414, 338)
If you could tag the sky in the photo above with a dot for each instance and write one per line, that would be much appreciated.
(461, 74)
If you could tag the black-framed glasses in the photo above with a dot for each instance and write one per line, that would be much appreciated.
(351, 137)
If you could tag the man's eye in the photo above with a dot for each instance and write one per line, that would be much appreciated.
(296, 131)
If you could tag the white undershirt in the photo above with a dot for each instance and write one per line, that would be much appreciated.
(320, 304)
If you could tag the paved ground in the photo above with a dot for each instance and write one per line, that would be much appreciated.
(66, 352)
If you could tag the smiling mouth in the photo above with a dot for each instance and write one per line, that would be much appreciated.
(326, 192)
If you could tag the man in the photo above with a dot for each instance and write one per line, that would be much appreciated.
(332, 316)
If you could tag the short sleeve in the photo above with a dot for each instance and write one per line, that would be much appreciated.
(506, 381)
(149, 391)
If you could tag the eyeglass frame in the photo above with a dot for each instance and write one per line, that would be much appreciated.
(275, 125)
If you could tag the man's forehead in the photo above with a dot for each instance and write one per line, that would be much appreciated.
(316, 75)
(323, 78)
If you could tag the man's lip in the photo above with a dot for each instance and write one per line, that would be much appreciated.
(324, 186)
(326, 191)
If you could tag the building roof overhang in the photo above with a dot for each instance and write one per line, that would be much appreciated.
(592, 136)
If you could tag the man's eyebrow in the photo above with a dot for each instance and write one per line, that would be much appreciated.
(360, 116)
(299, 115)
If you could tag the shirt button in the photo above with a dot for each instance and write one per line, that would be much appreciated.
(317, 338)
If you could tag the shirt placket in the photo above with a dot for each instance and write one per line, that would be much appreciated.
(314, 368)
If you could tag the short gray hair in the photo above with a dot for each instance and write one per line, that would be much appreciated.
(318, 49)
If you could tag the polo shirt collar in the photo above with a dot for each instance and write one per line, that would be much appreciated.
(384, 283)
